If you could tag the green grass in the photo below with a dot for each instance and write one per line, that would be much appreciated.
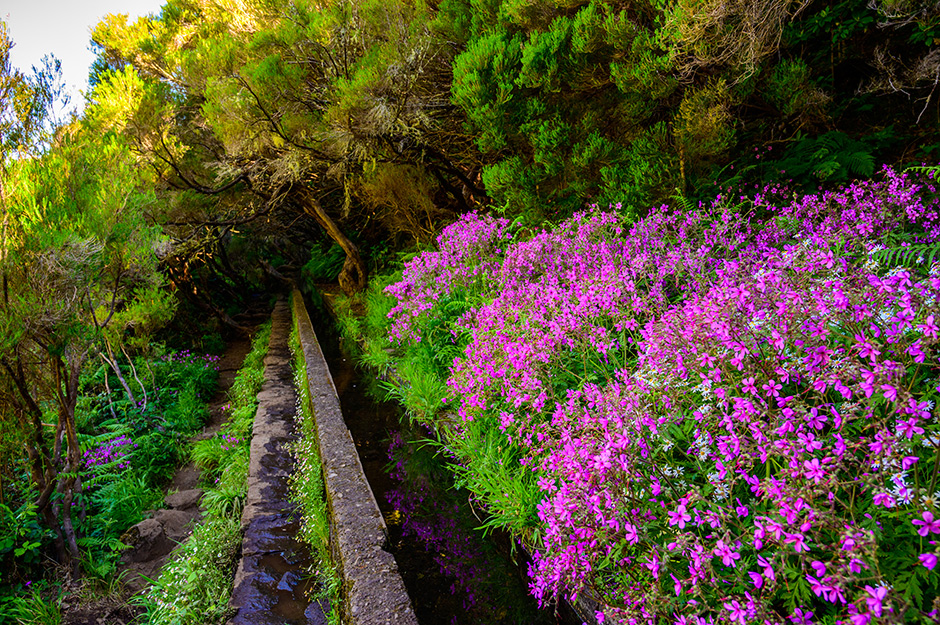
(308, 490)
(195, 587)
(420, 391)
(36, 608)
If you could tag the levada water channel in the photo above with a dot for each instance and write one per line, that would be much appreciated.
(454, 574)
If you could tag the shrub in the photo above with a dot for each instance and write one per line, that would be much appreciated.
(157, 456)
(195, 587)
(120, 504)
(729, 412)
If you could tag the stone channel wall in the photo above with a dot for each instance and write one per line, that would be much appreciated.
(374, 592)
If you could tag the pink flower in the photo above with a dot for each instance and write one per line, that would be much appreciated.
(727, 555)
(679, 517)
(929, 560)
(798, 541)
(738, 612)
(772, 388)
(814, 470)
(875, 599)
(928, 525)
(630, 533)
(909, 428)
(891, 393)
(883, 499)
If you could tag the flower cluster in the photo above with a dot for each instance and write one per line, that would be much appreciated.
(732, 410)
(467, 259)
(113, 452)
(187, 357)
(229, 442)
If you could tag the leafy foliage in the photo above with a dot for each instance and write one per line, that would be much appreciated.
(733, 403)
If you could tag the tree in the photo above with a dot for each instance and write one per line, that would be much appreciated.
(336, 110)
(77, 257)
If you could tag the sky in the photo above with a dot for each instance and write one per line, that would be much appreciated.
(63, 28)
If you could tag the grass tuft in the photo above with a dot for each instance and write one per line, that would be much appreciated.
(308, 492)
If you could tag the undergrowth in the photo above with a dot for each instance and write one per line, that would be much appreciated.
(307, 488)
(195, 587)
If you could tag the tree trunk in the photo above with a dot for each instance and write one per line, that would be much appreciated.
(70, 370)
(112, 362)
(354, 276)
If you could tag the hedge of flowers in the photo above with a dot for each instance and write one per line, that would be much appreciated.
(731, 410)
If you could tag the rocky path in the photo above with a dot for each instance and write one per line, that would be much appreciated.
(153, 539)
(271, 585)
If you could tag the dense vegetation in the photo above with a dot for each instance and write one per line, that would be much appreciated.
(725, 414)
(226, 147)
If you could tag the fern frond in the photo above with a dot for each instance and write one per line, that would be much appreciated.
(683, 202)
(112, 431)
(909, 255)
(860, 163)
(930, 170)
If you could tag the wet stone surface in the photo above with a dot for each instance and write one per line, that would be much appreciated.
(271, 584)
(374, 593)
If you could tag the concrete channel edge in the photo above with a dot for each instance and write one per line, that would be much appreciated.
(373, 589)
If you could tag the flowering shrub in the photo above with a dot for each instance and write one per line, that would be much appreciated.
(111, 453)
(731, 411)
(466, 262)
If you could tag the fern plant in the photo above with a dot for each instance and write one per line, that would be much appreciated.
(832, 157)
(105, 455)
(909, 255)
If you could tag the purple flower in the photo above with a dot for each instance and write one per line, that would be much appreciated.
(929, 560)
(727, 555)
(801, 617)
(875, 599)
(738, 613)
(797, 540)
(679, 516)
(928, 524)
(909, 428)
(814, 470)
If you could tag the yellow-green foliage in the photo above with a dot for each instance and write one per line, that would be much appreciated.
(704, 126)
(790, 88)
(403, 195)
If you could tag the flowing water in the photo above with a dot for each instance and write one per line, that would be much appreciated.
(453, 573)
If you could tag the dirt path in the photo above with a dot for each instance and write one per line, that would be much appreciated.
(153, 539)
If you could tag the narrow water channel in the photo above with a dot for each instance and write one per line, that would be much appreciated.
(453, 574)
